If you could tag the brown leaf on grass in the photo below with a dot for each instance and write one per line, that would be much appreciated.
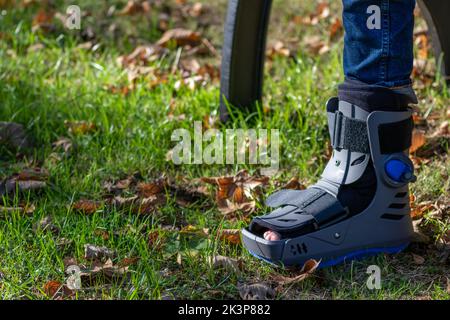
(43, 20)
(150, 196)
(210, 121)
(181, 37)
(278, 49)
(232, 236)
(102, 233)
(80, 127)
(139, 205)
(92, 252)
(294, 184)
(257, 291)
(418, 140)
(321, 12)
(52, 287)
(126, 262)
(87, 206)
(154, 239)
(46, 224)
(226, 263)
(197, 9)
(26, 209)
(443, 130)
(419, 210)
(135, 7)
(418, 260)
(147, 190)
(423, 46)
(118, 186)
(316, 45)
(423, 73)
(237, 193)
(308, 268)
(151, 204)
(14, 136)
(99, 271)
(57, 291)
(121, 90)
(141, 56)
(64, 144)
(27, 180)
(336, 29)
(34, 174)
(418, 236)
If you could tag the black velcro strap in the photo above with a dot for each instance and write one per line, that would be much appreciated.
(396, 137)
(350, 134)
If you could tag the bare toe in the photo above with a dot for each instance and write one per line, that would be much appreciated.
(272, 236)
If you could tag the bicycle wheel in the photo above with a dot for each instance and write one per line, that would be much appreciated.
(245, 40)
(436, 14)
(244, 54)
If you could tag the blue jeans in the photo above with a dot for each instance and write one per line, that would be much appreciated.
(379, 41)
(378, 54)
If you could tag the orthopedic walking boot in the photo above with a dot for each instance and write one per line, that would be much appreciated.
(359, 208)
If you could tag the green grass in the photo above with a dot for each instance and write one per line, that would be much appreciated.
(62, 82)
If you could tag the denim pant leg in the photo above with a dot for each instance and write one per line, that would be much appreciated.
(378, 54)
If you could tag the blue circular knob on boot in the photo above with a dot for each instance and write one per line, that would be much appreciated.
(400, 171)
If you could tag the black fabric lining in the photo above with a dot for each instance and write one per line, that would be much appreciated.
(376, 98)
(396, 137)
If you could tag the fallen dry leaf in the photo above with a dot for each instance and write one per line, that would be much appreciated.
(80, 127)
(422, 44)
(14, 136)
(64, 144)
(126, 262)
(135, 7)
(336, 29)
(227, 263)
(27, 180)
(141, 56)
(87, 206)
(27, 210)
(102, 233)
(147, 190)
(102, 271)
(418, 260)
(232, 236)
(181, 37)
(308, 268)
(43, 20)
(294, 184)
(278, 49)
(418, 140)
(52, 287)
(237, 193)
(92, 252)
(316, 45)
(419, 210)
(46, 224)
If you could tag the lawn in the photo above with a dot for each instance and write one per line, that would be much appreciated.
(100, 121)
